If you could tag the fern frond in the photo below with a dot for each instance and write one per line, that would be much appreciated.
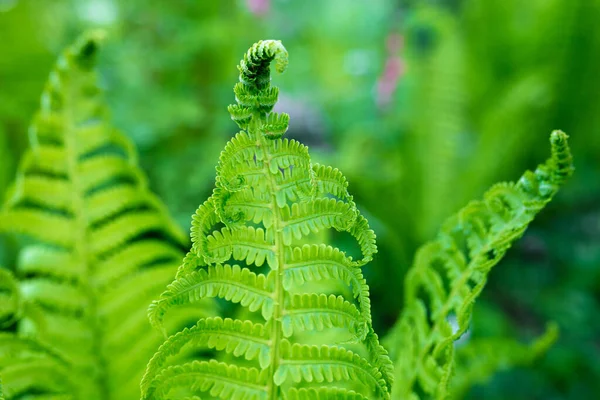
(104, 244)
(269, 201)
(449, 273)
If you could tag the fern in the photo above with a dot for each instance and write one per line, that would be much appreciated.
(104, 248)
(449, 273)
(249, 248)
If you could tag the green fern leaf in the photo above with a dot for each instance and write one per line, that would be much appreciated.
(449, 273)
(269, 198)
(105, 246)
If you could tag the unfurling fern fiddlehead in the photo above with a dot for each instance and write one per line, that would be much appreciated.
(449, 273)
(268, 198)
(104, 248)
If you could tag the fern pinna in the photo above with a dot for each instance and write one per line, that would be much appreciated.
(104, 248)
(449, 273)
(268, 199)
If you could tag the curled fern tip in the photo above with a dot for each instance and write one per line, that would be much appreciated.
(561, 155)
(254, 95)
(87, 46)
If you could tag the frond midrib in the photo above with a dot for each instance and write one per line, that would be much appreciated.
(81, 246)
(279, 252)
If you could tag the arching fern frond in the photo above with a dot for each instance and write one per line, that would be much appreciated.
(449, 273)
(250, 247)
(104, 246)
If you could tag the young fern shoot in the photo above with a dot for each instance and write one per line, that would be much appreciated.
(250, 248)
(449, 273)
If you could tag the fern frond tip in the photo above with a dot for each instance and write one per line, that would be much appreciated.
(254, 67)
(279, 51)
(86, 47)
(254, 95)
(561, 155)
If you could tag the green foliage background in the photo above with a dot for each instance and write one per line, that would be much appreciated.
(422, 104)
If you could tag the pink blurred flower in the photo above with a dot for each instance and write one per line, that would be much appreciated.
(258, 7)
(392, 72)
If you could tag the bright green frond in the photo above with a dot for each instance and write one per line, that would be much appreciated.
(269, 203)
(449, 273)
(104, 245)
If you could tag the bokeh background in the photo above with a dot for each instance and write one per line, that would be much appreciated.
(422, 104)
